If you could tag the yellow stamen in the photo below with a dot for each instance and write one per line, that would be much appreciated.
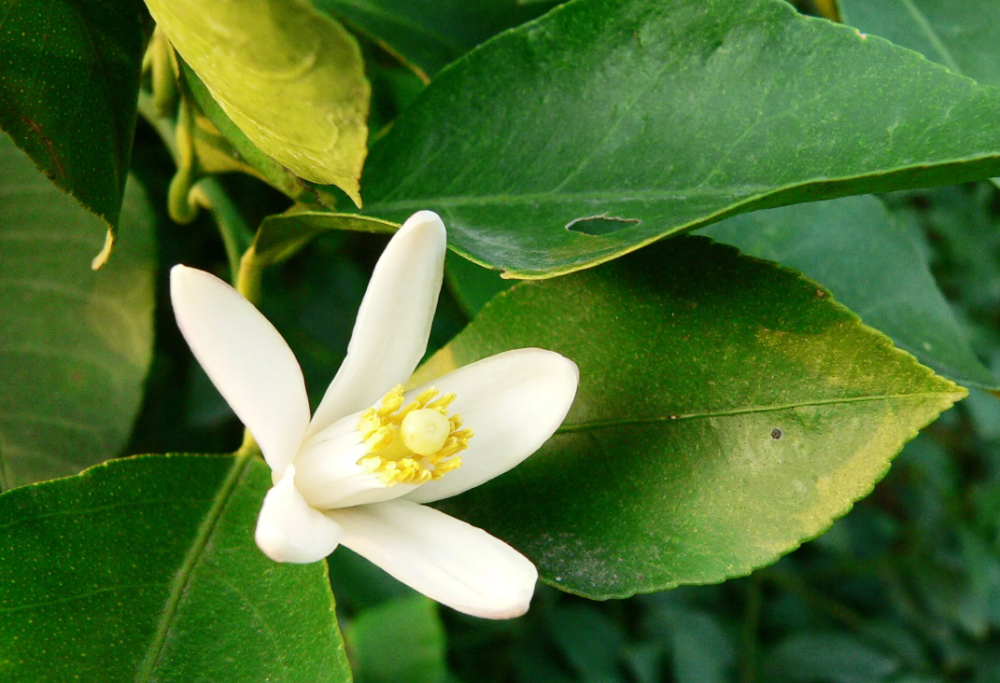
(421, 450)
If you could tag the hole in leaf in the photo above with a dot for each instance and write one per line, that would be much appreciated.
(775, 434)
(600, 225)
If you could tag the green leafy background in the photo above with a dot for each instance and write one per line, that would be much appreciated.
(75, 344)
(675, 113)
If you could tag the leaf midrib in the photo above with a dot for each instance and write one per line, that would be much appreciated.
(605, 424)
(183, 575)
(665, 194)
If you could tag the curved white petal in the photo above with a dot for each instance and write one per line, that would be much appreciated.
(513, 402)
(247, 360)
(444, 558)
(288, 530)
(394, 322)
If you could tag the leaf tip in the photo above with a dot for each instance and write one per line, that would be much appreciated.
(102, 258)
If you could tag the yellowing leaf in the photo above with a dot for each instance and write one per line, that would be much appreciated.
(291, 78)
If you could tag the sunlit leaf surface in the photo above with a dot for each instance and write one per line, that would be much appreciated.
(872, 266)
(728, 410)
(290, 77)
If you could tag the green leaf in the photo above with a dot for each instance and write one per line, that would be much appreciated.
(473, 285)
(69, 79)
(964, 36)
(701, 652)
(728, 410)
(75, 344)
(289, 77)
(399, 640)
(238, 152)
(870, 263)
(432, 34)
(828, 656)
(281, 236)
(607, 124)
(145, 569)
(589, 640)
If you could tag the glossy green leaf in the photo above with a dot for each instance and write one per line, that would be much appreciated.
(399, 640)
(289, 77)
(69, 79)
(605, 125)
(432, 33)
(75, 344)
(728, 410)
(145, 569)
(872, 266)
(964, 36)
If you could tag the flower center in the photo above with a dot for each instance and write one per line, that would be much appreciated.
(412, 444)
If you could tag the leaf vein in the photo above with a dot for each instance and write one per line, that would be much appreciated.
(606, 424)
(79, 596)
(191, 559)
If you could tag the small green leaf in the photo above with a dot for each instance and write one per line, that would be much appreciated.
(870, 263)
(145, 569)
(608, 124)
(964, 36)
(399, 640)
(75, 344)
(281, 236)
(289, 77)
(728, 410)
(432, 34)
(69, 79)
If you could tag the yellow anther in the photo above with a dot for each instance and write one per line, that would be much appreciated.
(412, 444)
(368, 423)
(446, 467)
(391, 401)
(425, 396)
(379, 439)
(442, 403)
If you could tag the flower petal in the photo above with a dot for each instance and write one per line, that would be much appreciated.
(513, 402)
(442, 557)
(394, 322)
(288, 530)
(247, 360)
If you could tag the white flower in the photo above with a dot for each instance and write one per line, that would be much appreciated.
(357, 472)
